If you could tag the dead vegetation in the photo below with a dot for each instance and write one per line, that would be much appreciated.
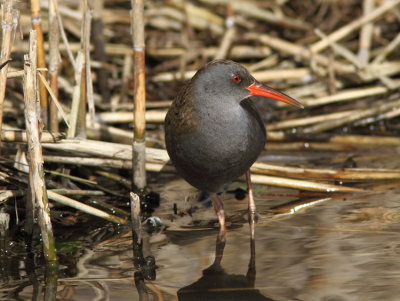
(339, 58)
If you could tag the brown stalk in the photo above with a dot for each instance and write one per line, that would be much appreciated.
(139, 147)
(85, 75)
(36, 172)
(54, 62)
(10, 18)
(41, 62)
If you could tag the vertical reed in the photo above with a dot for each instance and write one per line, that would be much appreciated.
(85, 44)
(136, 229)
(9, 24)
(41, 62)
(76, 96)
(36, 172)
(139, 147)
(83, 82)
(54, 41)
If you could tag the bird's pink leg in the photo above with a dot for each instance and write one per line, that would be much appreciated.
(252, 205)
(219, 209)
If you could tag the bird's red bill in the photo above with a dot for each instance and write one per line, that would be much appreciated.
(263, 90)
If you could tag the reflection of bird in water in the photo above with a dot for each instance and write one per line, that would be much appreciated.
(216, 284)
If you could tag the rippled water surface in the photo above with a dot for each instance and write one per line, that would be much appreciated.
(339, 247)
(347, 248)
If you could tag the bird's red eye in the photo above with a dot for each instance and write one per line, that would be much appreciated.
(236, 78)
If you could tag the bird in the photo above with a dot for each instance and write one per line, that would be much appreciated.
(214, 132)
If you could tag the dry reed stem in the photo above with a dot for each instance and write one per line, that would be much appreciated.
(253, 10)
(330, 124)
(20, 136)
(394, 44)
(266, 63)
(9, 24)
(78, 192)
(138, 147)
(65, 40)
(113, 134)
(135, 215)
(76, 98)
(366, 33)
(350, 27)
(151, 116)
(54, 62)
(352, 174)
(126, 77)
(120, 154)
(81, 117)
(121, 151)
(54, 98)
(347, 54)
(237, 52)
(298, 51)
(86, 30)
(41, 61)
(8, 194)
(345, 95)
(297, 122)
(137, 231)
(301, 184)
(85, 208)
(200, 17)
(359, 140)
(36, 172)
(112, 163)
(349, 174)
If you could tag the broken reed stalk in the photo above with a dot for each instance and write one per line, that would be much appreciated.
(139, 146)
(41, 62)
(9, 24)
(54, 62)
(136, 229)
(36, 172)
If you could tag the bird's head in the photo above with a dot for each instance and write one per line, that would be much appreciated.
(230, 83)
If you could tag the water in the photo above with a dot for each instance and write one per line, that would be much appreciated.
(338, 247)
